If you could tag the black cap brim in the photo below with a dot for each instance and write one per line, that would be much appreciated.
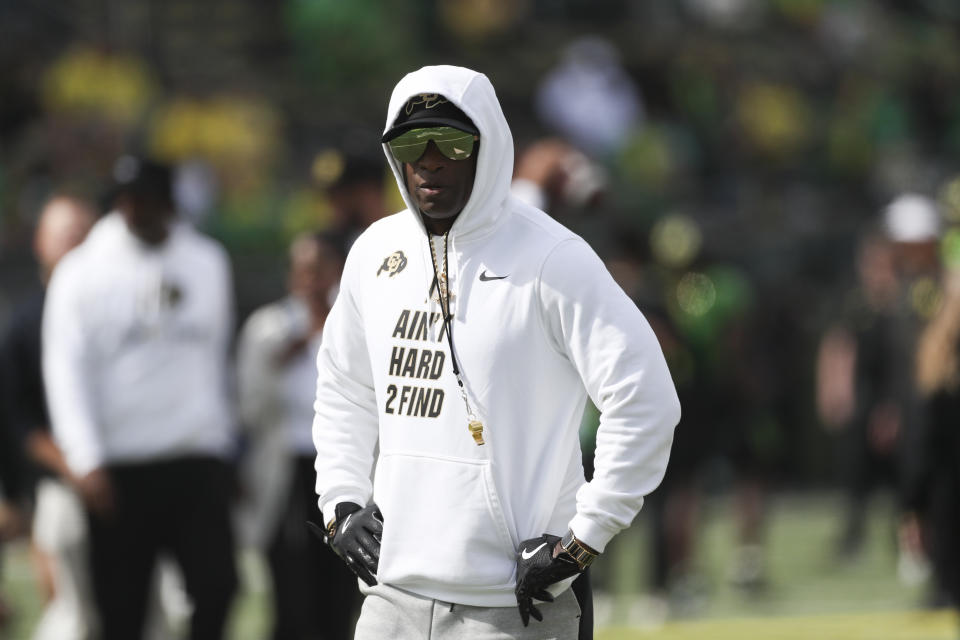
(395, 131)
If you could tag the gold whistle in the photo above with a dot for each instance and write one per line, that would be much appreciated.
(476, 430)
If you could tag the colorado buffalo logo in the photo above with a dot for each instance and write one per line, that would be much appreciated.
(393, 263)
(428, 100)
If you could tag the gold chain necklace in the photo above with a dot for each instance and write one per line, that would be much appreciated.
(443, 295)
(474, 426)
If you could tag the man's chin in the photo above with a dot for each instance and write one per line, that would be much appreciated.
(438, 214)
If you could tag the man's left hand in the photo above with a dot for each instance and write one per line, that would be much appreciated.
(538, 567)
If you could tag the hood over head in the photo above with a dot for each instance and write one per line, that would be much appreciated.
(473, 94)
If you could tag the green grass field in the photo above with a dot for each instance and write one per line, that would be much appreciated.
(810, 595)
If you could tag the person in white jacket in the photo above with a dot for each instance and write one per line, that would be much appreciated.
(469, 330)
(136, 329)
(313, 593)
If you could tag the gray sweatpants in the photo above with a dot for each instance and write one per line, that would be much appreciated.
(392, 613)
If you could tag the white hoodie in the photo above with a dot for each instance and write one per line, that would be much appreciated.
(531, 346)
(135, 342)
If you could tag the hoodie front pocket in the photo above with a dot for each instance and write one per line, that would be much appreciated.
(442, 523)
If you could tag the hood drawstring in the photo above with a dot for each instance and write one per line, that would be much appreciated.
(441, 281)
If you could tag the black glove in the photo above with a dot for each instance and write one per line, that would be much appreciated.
(537, 569)
(355, 537)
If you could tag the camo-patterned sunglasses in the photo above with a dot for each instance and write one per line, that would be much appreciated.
(453, 143)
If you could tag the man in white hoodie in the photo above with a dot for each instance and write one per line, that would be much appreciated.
(136, 327)
(469, 331)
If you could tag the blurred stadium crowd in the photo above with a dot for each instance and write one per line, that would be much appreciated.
(776, 183)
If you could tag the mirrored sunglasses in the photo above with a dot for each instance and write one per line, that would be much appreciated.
(452, 143)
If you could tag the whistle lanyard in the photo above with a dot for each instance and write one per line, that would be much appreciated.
(442, 280)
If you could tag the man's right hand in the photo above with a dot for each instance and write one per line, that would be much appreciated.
(96, 491)
(355, 536)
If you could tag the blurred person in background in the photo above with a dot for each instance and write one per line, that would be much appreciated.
(732, 343)
(718, 342)
(136, 331)
(60, 537)
(356, 192)
(748, 400)
(866, 361)
(931, 524)
(59, 528)
(314, 594)
(857, 384)
(913, 223)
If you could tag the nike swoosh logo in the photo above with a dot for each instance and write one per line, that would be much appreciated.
(485, 278)
(526, 555)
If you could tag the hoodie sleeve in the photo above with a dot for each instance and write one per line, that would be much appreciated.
(346, 425)
(599, 329)
(66, 371)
